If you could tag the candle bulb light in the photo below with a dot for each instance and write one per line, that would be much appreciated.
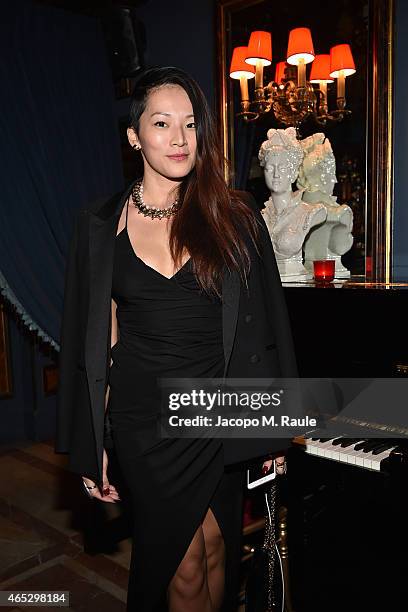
(323, 91)
(320, 74)
(259, 54)
(341, 66)
(259, 74)
(241, 71)
(301, 69)
(300, 52)
(243, 81)
(341, 89)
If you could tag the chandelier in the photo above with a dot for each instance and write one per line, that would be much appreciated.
(290, 96)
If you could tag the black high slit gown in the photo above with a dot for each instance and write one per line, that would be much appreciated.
(167, 327)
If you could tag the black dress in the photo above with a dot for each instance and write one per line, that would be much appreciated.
(167, 327)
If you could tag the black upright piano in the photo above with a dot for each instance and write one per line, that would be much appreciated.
(347, 499)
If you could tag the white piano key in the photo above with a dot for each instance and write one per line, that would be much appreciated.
(359, 459)
(335, 454)
(312, 446)
(321, 449)
(334, 450)
(367, 461)
(354, 456)
(351, 456)
(327, 449)
(343, 454)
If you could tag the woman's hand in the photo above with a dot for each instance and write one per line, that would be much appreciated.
(280, 464)
(108, 492)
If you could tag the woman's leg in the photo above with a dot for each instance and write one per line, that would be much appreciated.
(198, 584)
(215, 550)
(188, 589)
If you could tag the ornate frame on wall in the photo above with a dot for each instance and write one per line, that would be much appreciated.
(380, 129)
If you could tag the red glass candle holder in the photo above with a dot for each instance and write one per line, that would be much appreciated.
(324, 270)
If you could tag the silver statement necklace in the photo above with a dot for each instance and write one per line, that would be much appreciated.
(151, 211)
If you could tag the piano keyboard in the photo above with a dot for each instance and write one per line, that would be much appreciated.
(364, 453)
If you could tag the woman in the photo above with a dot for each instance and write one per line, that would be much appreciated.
(165, 279)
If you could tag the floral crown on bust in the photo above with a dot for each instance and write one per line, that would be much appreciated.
(280, 140)
(319, 157)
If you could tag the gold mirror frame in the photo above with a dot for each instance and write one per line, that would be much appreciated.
(379, 147)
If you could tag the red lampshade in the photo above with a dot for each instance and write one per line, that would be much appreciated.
(280, 72)
(341, 59)
(320, 72)
(259, 48)
(238, 67)
(300, 46)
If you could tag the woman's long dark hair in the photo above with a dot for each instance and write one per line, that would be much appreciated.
(212, 219)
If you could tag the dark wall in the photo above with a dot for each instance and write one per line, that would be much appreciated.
(401, 144)
(182, 33)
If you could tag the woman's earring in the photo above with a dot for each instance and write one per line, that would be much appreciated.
(137, 147)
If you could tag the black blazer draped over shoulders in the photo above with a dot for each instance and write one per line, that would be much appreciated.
(257, 337)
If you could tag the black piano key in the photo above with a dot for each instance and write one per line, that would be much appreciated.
(382, 447)
(349, 442)
(337, 441)
(369, 446)
(361, 444)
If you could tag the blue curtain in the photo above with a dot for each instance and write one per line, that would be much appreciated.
(59, 150)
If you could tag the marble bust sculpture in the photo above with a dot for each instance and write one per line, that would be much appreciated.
(317, 177)
(288, 218)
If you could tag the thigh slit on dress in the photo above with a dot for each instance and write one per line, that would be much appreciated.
(167, 511)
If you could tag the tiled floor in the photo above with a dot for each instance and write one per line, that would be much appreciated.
(43, 518)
